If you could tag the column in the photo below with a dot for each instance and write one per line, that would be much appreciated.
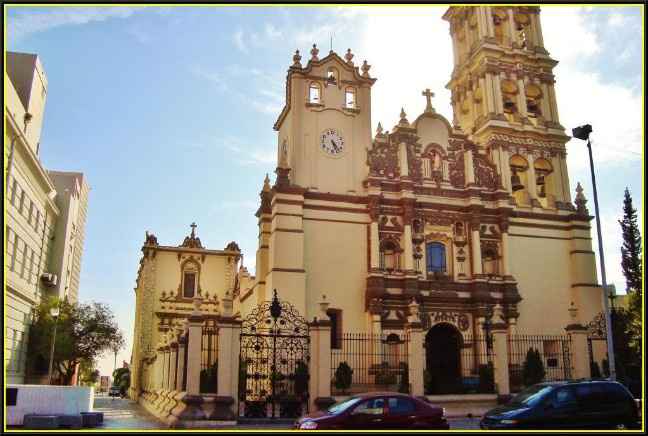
(511, 27)
(182, 349)
(489, 21)
(554, 104)
(506, 265)
(476, 248)
(500, 362)
(487, 85)
(469, 168)
(229, 330)
(546, 108)
(480, 335)
(409, 250)
(531, 180)
(565, 178)
(521, 95)
(497, 88)
(320, 365)
(375, 245)
(535, 21)
(402, 157)
(194, 351)
(416, 357)
(579, 351)
(173, 373)
(506, 168)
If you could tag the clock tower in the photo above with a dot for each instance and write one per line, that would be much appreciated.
(324, 128)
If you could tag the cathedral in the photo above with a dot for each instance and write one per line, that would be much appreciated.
(459, 216)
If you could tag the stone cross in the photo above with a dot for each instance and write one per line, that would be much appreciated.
(428, 96)
(193, 229)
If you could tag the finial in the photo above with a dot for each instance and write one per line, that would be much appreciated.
(314, 52)
(297, 59)
(580, 201)
(403, 118)
(379, 129)
(365, 69)
(349, 56)
(428, 96)
(193, 230)
(266, 183)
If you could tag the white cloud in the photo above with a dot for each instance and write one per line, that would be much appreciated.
(212, 77)
(237, 38)
(568, 34)
(25, 23)
(616, 20)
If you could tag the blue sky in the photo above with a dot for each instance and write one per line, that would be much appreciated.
(169, 111)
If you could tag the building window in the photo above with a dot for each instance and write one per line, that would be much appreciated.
(389, 258)
(490, 261)
(331, 76)
(350, 98)
(12, 193)
(427, 167)
(189, 285)
(23, 197)
(31, 212)
(11, 248)
(314, 93)
(436, 257)
(37, 220)
(335, 315)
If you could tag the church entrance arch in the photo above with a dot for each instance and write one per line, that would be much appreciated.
(274, 362)
(443, 359)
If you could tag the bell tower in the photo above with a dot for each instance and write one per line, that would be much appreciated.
(503, 97)
(324, 128)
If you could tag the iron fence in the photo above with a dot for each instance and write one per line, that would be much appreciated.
(369, 362)
(209, 357)
(537, 358)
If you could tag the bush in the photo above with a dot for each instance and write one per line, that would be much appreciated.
(595, 369)
(533, 371)
(301, 379)
(404, 387)
(343, 377)
(209, 379)
(486, 378)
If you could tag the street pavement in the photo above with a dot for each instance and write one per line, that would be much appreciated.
(126, 414)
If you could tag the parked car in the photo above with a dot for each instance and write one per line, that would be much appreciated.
(589, 404)
(377, 410)
(114, 391)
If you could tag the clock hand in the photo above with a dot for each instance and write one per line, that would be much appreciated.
(335, 147)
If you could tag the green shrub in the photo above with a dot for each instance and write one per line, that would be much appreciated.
(486, 378)
(209, 379)
(343, 377)
(533, 371)
(404, 381)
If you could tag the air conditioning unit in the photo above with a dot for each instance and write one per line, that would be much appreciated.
(49, 279)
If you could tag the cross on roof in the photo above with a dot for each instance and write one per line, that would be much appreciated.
(428, 96)
(193, 229)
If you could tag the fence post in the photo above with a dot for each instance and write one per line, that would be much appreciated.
(415, 351)
(229, 330)
(319, 385)
(579, 351)
(501, 361)
(182, 349)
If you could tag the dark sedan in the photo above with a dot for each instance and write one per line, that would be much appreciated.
(377, 410)
(576, 405)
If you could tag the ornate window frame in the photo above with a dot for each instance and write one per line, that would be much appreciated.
(189, 265)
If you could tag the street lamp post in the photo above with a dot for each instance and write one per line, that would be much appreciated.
(54, 311)
(583, 133)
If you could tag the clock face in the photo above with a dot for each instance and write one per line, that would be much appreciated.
(332, 142)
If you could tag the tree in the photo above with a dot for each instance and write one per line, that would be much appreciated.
(533, 371)
(121, 379)
(83, 333)
(88, 374)
(343, 376)
(631, 248)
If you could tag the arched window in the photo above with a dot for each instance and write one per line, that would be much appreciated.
(314, 93)
(490, 261)
(519, 182)
(533, 100)
(331, 76)
(350, 98)
(436, 257)
(190, 276)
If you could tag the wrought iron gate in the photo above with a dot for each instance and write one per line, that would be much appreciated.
(597, 334)
(274, 361)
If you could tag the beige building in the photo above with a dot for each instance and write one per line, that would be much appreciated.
(38, 211)
(463, 223)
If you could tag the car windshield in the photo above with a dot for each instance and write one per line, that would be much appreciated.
(532, 395)
(344, 405)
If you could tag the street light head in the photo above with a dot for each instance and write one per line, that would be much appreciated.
(582, 132)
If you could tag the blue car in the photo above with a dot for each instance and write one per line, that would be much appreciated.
(575, 405)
